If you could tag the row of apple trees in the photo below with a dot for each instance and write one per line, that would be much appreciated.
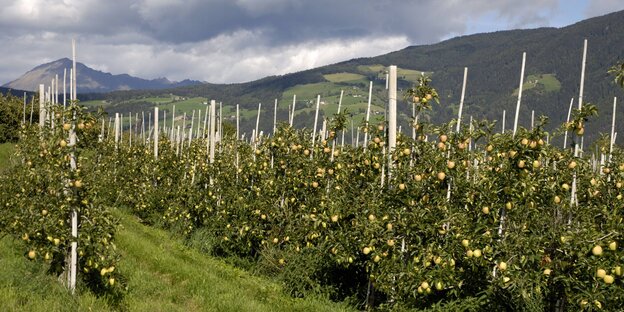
(472, 220)
(39, 192)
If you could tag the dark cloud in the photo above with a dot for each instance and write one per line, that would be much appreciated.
(240, 40)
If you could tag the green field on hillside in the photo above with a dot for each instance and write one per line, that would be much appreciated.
(542, 82)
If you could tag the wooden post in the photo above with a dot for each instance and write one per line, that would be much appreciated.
(519, 94)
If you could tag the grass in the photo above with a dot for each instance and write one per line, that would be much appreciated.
(163, 275)
(404, 74)
(541, 83)
(343, 77)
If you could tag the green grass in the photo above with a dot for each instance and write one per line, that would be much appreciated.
(343, 77)
(405, 74)
(163, 275)
(6, 150)
(542, 83)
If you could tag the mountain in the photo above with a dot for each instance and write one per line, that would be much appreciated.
(552, 76)
(89, 80)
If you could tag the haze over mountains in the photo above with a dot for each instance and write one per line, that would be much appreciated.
(89, 80)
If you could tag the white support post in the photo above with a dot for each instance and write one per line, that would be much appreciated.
(213, 106)
(392, 115)
(116, 130)
(504, 117)
(519, 93)
(237, 122)
(565, 135)
(275, 117)
(64, 88)
(42, 108)
(368, 107)
(292, 115)
(612, 137)
(318, 103)
(190, 138)
(74, 97)
(578, 148)
(255, 137)
(461, 100)
(71, 84)
(156, 133)
(74, 214)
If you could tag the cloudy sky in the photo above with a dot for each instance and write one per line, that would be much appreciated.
(223, 41)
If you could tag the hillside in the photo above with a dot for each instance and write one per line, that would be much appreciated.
(89, 80)
(494, 60)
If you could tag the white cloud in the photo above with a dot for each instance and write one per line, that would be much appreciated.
(241, 40)
(601, 7)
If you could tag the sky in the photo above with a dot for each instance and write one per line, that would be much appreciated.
(229, 41)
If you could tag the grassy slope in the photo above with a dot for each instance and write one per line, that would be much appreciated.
(163, 275)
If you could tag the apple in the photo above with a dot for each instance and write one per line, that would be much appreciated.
(441, 176)
(32, 254)
(557, 199)
(485, 210)
(608, 279)
(613, 245)
(366, 250)
(597, 250)
(465, 243)
(600, 273)
(502, 266)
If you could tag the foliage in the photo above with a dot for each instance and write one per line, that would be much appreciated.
(10, 117)
(322, 220)
(40, 192)
(618, 71)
